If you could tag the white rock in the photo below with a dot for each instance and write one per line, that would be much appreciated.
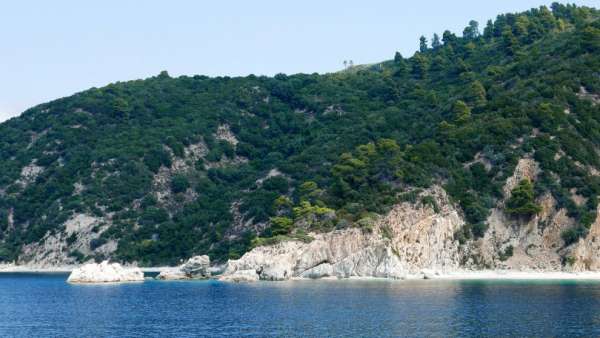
(105, 273)
(240, 276)
(412, 237)
(172, 274)
(197, 267)
(319, 271)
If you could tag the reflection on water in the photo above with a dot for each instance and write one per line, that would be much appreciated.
(44, 305)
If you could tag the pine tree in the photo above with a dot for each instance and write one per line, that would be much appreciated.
(462, 112)
(477, 93)
(401, 66)
(398, 58)
(521, 201)
(435, 42)
(471, 32)
(420, 64)
(488, 31)
(423, 44)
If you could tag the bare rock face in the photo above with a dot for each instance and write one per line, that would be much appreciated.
(241, 276)
(535, 242)
(197, 267)
(105, 273)
(411, 239)
(526, 168)
(586, 253)
(54, 248)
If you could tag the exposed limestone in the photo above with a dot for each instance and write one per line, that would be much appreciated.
(241, 276)
(535, 242)
(226, 162)
(35, 137)
(54, 248)
(586, 253)
(410, 239)
(272, 173)
(224, 133)
(578, 199)
(161, 183)
(105, 273)
(197, 267)
(334, 109)
(78, 188)
(526, 168)
(414, 240)
(584, 94)
(239, 224)
(480, 158)
(29, 173)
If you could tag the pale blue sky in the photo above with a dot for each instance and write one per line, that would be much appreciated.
(51, 49)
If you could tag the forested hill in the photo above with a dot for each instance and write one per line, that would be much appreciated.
(160, 169)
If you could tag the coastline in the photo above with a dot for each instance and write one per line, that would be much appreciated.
(425, 275)
(11, 268)
(490, 275)
(517, 275)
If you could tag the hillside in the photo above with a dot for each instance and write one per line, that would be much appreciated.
(506, 119)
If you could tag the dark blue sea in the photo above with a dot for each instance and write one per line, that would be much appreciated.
(44, 305)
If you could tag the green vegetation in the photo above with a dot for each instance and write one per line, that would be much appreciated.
(345, 146)
(522, 200)
(507, 253)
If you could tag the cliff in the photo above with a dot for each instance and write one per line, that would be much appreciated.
(416, 240)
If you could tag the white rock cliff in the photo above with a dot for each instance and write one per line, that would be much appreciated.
(105, 273)
(412, 240)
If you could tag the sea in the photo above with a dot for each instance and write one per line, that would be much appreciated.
(45, 305)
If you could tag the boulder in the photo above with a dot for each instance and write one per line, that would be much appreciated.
(105, 273)
(197, 267)
(172, 274)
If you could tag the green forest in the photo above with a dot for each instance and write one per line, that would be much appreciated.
(315, 152)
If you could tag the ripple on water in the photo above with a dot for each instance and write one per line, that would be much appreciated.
(44, 305)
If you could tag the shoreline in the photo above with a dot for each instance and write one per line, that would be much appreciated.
(517, 275)
(425, 275)
(11, 268)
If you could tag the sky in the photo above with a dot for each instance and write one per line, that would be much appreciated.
(52, 49)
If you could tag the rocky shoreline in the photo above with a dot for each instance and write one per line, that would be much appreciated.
(413, 241)
(426, 275)
(173, 273)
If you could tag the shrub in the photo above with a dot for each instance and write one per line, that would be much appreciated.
(479, 229)
(571, 236)
(507, 253)
(179, 183)
(72, 238)
(281, 225)
(96, 243)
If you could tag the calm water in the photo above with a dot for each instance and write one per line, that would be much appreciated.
(45, 305)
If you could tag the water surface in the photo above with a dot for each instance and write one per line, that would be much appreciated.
(34, 305)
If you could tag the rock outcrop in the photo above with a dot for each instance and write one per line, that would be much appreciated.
(197, 267)
(586, 253)
(105, 273)
(535, 243)
(56, 247)
(411, 239)
(414, 240)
